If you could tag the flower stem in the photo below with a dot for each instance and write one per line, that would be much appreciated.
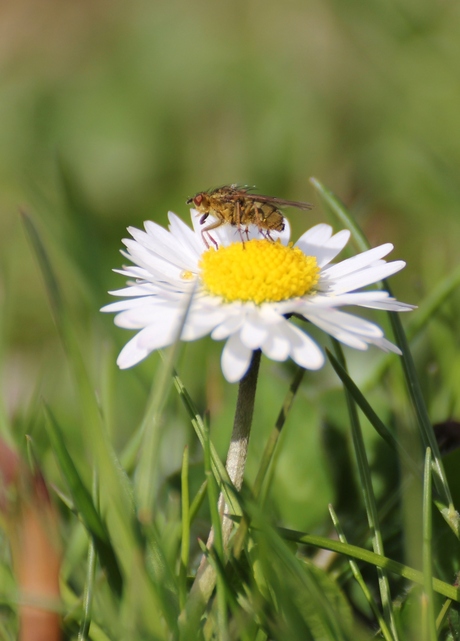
(205, 579)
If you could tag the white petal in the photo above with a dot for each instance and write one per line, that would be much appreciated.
(132, 270)
(355, 263)
(159, 335)
(386, 346)
(236, 359)
(146, 341)
(391, 305)
(348, 329)
(277, 346)
(304, 351)
(153, 311)
(322, 245)
(154, 263)
(346, 321)
(131, 354)
(186, 236)
(200, 322)
(123, 305)
(317, 235)
(136, 290)
(254, 332)
(366, 277)
(372, 300)
(231, 324)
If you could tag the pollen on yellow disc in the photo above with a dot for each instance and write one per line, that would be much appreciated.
(259, 271)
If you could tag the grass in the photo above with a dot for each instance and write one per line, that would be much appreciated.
(346, 526)
(131, 571)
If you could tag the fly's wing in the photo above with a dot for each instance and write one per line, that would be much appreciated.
(278, 202)
(232, 193)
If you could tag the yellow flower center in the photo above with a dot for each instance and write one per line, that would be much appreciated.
(259, 271)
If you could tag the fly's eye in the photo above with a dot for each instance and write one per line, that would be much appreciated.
(198, 199)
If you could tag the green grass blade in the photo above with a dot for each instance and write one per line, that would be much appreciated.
(297, 587)
(380, 427)
(359, 579)
(51, 284)
(428, 616)
(418, 321)
(185, 539)
(147, 469)
(443, 614)
(116, 493)
(163, 579)
(213, 496)
(380, 561)
(269, 451)
(369, 499)
(448, 511)
(88, 593)
(268, 455)
(198, 500)
(218, 468)
(84, 504)
(82, 242)
(433, 302)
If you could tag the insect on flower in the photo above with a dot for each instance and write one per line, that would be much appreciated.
(237, 206)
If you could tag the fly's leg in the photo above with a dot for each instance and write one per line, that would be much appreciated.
(207, 229)
(238, 222)
(258, 220)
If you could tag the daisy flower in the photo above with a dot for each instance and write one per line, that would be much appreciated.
(245, 292)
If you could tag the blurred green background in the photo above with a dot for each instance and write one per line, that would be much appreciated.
(113, 112)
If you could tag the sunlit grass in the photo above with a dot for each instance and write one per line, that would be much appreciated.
(346, 526)
(132, 569)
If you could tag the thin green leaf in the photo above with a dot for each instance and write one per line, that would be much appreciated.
(84, 504)
(198, 500)
(185, 540)
(88, 593)
(82, 240)
(116, 493)
(419, 320)
(44, 262)
(447, 510)
(147, 469)
(369, 498)
(359, 579)
(380, 427)
(429, 622)
(378, 560)
(443, 614)
(162, 578)
(306, 594)
(218, 468)
(268, 455)
(213, 496)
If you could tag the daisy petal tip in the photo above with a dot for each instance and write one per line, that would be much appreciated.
(124, 363)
